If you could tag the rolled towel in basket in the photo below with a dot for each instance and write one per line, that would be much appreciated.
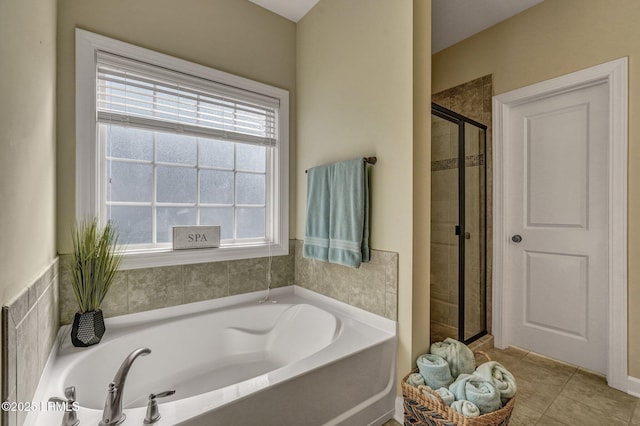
(501, 378)
(445, 394)
(457, 354)
(466, 408)
(415, 380)
(435, 371)
(473, 388)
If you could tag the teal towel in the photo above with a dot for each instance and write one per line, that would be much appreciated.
(415, 380)
(501, 378)
(316, 233)
(457, 354)
(445, 394)
(435, 371)
(337, 225)
(466, 408)
(473, 388)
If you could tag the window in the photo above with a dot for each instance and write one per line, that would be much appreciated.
(164, 142)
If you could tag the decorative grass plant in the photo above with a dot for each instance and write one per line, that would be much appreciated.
(94, 264)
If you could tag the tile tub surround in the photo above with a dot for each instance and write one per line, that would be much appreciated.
(140, 290)
(29, 326)
(373, 286)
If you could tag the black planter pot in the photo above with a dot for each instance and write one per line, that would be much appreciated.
(88, 328)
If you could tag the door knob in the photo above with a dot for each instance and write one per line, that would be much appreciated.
(516, 238)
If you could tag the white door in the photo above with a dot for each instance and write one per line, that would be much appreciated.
(557, 199)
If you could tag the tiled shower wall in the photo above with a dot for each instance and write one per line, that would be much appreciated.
(473, 100)
(29, 327)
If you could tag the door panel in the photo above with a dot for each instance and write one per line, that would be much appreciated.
(557, 157)
(564, 277)
(558, 197)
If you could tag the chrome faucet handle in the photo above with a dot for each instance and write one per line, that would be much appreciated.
(153, 413)
(113, 413)
(70, 393)
(70, 417)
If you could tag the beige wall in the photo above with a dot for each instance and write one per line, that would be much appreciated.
(355, 93)
(555, 38)
(27, 142)
(418, 299)
(230, 35)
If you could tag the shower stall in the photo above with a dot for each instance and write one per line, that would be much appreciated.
(458, 227)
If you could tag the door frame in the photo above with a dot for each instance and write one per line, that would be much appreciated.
(615, 74)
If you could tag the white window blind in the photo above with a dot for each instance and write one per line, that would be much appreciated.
(147, 96)
(161, 141)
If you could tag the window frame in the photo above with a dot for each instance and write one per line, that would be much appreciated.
(89, 167)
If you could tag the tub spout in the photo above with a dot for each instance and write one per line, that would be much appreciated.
(113, 414)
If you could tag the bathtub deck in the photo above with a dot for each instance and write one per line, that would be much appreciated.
(347, 379)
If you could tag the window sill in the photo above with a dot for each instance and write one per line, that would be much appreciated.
(171, 257)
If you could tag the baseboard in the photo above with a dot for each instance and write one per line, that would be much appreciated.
(633, 388)
(399, 416)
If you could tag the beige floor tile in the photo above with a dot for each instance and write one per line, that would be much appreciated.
(543, 372)
(535, 397)
(548, 421)
(572, 412)
(549, 364)
(509, 357)
(635, 420)
(523, 415)
(513, 351)
(592, 390)
(538, 385)
(391, 422)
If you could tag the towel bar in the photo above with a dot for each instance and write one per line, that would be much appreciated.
(368, 160)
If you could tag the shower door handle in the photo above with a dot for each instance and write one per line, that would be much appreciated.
(467, 235)
(516, 238)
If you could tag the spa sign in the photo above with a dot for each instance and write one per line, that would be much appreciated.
(195, 237)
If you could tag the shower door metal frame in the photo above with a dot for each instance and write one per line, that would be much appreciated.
(460, 230)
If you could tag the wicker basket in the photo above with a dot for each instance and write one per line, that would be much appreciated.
(420, 410)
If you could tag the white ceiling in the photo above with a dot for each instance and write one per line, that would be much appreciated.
(454, 20)
(293, 10)
(451, 20)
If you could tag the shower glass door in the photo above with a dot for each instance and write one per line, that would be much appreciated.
(474, 232)
(458, 226)
(444, 219)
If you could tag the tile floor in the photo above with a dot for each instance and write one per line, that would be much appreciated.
(552, 393)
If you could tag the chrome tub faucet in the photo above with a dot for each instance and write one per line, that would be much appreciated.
(70, 417)
(113, 414)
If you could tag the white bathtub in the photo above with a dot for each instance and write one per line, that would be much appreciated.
(306, 359)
